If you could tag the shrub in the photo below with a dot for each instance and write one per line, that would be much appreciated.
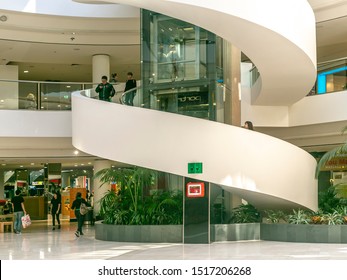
(245, 213)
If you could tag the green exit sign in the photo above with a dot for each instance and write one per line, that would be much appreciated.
(194, 167)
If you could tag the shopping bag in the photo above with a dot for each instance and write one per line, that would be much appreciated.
(83, 209)
(26, 221)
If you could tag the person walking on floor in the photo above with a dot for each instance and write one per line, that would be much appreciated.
(55, 209)
(105, 90)
(76, 204)
(18, 210)
(130, 86)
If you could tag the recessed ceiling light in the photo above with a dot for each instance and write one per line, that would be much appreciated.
(26, 71)
(68, 86)
(76, 152)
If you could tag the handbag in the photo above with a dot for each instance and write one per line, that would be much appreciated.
(83, 209)
(26, 221)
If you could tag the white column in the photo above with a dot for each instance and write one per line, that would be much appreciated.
(101, 67)
(99, 191)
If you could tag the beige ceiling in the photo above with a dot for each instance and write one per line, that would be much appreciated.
(61, 48)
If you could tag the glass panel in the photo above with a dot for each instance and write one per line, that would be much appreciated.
(28, 95)
(9, 95)
(25, 95)
(57, 96)
(331, 77)
(179, 68)
(190, 101)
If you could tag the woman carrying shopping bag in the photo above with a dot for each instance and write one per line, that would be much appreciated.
(18, 210)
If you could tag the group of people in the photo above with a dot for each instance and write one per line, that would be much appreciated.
(106, 90)
(19, 211)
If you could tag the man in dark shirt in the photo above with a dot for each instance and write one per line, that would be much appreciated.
(105, 90)
(130, 84)
(18, 210)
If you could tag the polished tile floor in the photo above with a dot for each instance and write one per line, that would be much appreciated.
(39, 241)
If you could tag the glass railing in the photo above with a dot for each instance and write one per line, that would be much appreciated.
(190, 103)
(34, 95)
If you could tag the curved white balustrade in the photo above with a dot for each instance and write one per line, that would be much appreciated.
(278, 36)
(265, 171)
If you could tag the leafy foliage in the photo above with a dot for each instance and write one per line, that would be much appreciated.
(129, 205)
(245, 213)
(275, 216)
(327, 200)
(334, 218)
(299, 217)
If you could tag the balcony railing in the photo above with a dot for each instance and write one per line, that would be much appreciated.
(34, 95)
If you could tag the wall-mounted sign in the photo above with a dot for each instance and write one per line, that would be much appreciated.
(194, 167)
(195, 189)
(337, 163)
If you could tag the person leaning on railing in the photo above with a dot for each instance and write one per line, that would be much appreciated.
(105, 90)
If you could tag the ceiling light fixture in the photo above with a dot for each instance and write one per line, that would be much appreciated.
(26, 71)
(3, 18)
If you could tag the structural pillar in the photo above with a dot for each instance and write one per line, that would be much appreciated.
(101, 67)
(232, 80)
(232, 105)
(99, 189)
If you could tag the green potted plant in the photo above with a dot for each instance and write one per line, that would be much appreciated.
(134, 208)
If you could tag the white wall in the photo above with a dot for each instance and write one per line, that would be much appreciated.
(261, 169)
(14, 123)
(310, 110)
(322, 108)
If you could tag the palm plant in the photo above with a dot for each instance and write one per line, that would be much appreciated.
(340, 150)
(130, 206)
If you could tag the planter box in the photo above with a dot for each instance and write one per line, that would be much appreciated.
(235, 232)
(139, 233)
(225, 232)
(304, 233)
